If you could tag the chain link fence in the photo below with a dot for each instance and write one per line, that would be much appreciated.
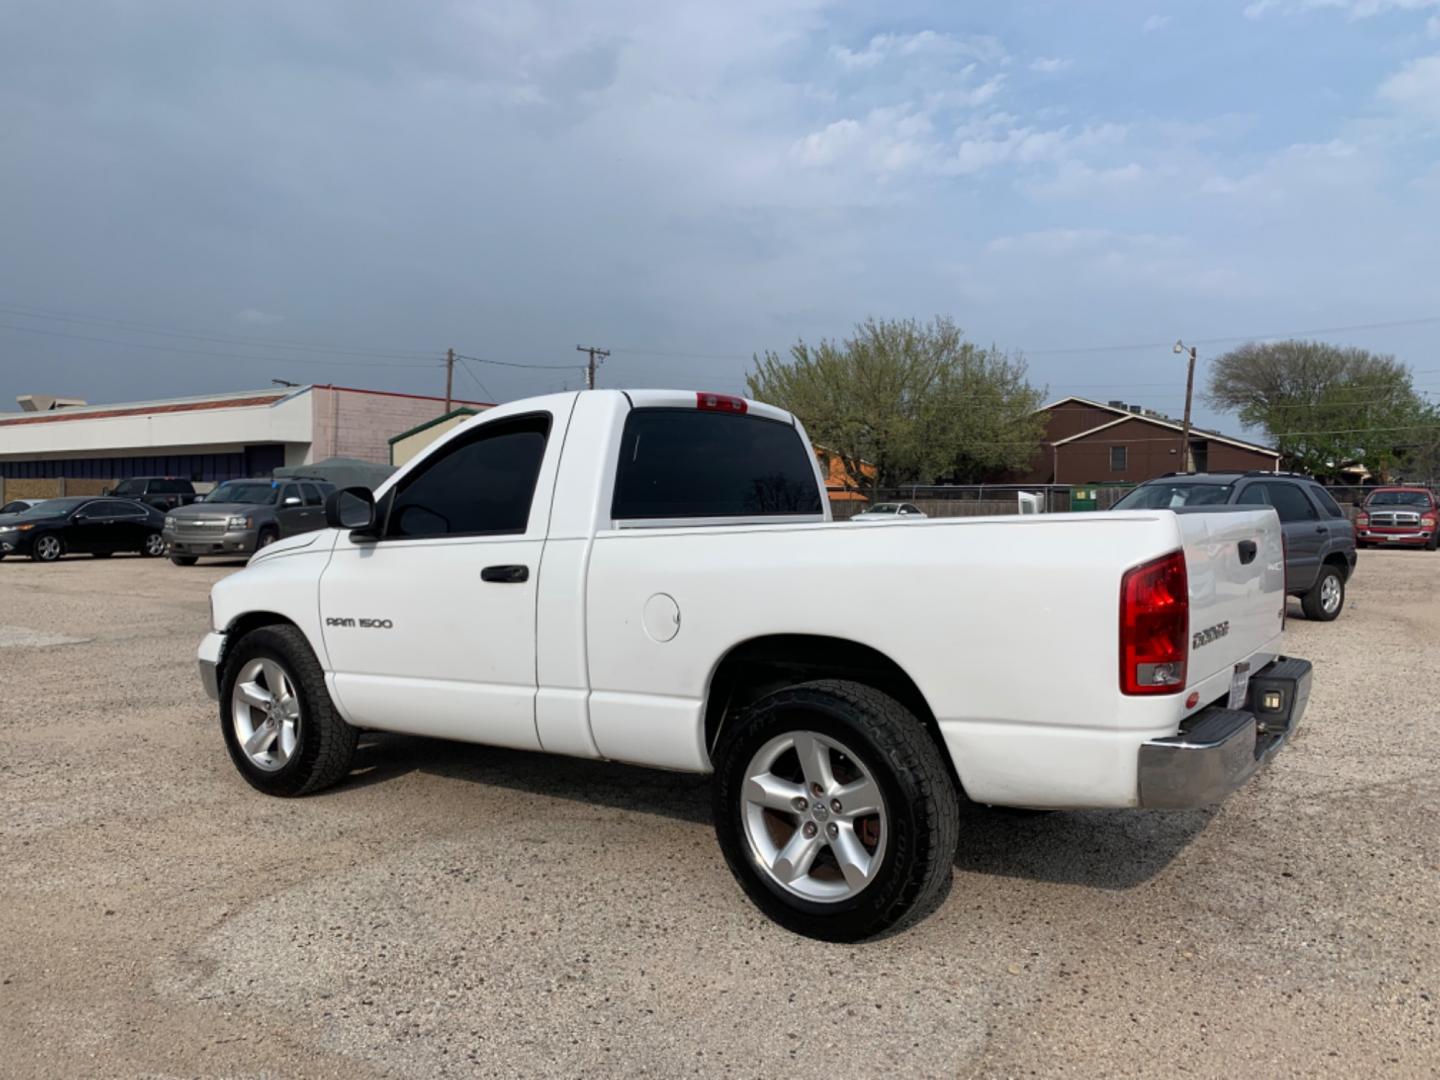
(985, 500)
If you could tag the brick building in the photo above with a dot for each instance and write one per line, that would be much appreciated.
(81, 449)
(1087, 442)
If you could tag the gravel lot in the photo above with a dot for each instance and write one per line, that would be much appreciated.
(461, 911)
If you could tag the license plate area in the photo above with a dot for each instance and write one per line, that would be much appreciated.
(1239, 686)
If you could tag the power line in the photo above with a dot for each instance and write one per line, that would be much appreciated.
(465, 367)
(516, 364)
(413, 364)
(143, 328)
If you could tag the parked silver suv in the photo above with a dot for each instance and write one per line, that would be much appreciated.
(242, 516)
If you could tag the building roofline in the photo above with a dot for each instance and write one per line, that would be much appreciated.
(1121, 415)
(464, 410)
(397, 393)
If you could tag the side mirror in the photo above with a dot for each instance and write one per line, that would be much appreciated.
(353, 509)
(293, 500)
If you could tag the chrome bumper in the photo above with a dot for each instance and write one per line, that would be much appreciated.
(1218, 749)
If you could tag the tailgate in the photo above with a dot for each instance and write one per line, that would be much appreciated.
(1235, 560)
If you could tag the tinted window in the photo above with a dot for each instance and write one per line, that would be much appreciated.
(1289, 501)
(311, 494)
(1329, 505)
(14, 507)
(684, 463)
(113, 508)
(171, 487)
(1254, 495)
(129, 487)
(1416, 500)
(482, 484)
(1163, 496)
(254, 492)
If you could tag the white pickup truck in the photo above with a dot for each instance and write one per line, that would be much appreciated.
(653, 577)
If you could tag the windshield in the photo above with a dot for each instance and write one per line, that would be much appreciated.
(1417, 499)
(1169, 496)
(255, 492)
(129, 487)
(883, 508)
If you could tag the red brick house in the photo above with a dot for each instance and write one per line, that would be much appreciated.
(1086, 442)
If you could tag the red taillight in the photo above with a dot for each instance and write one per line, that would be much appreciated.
(720, 403)
(1155, 626)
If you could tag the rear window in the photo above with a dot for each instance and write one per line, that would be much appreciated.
(1164, 496)
(172, 487)
(686, 463)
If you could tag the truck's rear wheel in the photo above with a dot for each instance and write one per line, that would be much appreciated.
(1324, 602)
(280, 726)
(835, 810)
(183, 560)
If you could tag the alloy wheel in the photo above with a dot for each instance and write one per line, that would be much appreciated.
(266, 713)
(48, 548)
(814, 817)
(1330, 594)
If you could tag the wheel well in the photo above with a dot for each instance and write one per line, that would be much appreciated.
(759, 667)
(1338, 560)
(252, 620)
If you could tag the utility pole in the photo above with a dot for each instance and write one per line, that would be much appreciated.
(1180, 349)
(590, 368)
(450, 378)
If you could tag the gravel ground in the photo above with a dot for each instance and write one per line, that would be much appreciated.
(458, 911)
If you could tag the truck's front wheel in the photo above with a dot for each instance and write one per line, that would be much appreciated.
(280, 726)
(835, 810)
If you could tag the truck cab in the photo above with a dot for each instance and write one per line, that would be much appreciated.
(1399, 516)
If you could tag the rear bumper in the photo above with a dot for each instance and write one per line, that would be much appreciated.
(1218, 749)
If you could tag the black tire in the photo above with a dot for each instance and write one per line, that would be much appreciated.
(266, 538)
(920, 798)
(184, 560)
(1312, 601)
(325, 746)
(1433, 542)
(43, 552)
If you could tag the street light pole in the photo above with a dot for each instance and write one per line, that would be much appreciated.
(1181, 348)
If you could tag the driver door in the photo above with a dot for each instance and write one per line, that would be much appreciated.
(430, 627)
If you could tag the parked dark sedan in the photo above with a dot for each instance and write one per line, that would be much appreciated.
(83, 525)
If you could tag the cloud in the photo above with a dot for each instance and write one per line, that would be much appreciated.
(256, 317)
(1432, 26)
(1415, 89)
(883, 48)
(1353, 9)
(1049, 64)
(1153, 23)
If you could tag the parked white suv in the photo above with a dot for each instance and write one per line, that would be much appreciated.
(653, 577)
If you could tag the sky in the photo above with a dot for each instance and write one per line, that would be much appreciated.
(205, 197)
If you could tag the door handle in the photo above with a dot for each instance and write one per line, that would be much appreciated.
(1319, 528)
(1247, 552)
(505, 575)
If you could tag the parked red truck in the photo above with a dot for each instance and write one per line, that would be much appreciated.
(1400, 516)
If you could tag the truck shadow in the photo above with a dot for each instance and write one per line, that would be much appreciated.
(1101, 849)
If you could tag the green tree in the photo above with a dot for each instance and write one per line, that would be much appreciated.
(1324, 406)
(901, 401)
